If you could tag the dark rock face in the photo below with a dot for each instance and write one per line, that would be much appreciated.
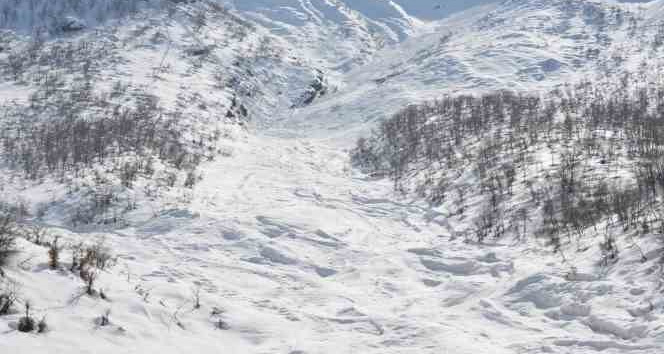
(72, 24)
(316, 89)
(199, 51)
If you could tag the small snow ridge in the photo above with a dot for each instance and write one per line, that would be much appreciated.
(599, 345)
(601, 325)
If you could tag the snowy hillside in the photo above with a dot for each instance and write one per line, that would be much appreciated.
(519, 45)
(183, 176)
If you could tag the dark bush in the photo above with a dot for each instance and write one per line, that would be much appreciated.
(54, 254)
(42, 326)
(26, 323)
(7, 240)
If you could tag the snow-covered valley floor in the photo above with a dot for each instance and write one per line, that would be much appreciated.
(294, 253)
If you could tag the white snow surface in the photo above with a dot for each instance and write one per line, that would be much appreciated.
(298, 253)
(302, 256)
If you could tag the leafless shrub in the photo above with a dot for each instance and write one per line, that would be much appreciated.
(9, 295)
(196, 296)
(54, 254)
(105, 318)
(42, 326)
(36, 234)
(89, 276)
(26, 323)
(7, 240)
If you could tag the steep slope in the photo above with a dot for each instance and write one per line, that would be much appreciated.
(342, 35)
(161, 83)
(520, 45)
(339, 34)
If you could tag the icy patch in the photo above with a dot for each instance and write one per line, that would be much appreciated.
(325, 272)
(550, 65)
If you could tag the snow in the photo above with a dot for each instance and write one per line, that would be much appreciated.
(298, 253)
(303, 256)
(520, 45)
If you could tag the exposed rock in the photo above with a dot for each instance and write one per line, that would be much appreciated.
(73, 24)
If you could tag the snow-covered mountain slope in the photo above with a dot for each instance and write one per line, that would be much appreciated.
(344, 34)
(275, 244)
(196, 73)
(335, 36)
(520, 45)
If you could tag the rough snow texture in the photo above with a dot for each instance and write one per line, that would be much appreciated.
(292, 250)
